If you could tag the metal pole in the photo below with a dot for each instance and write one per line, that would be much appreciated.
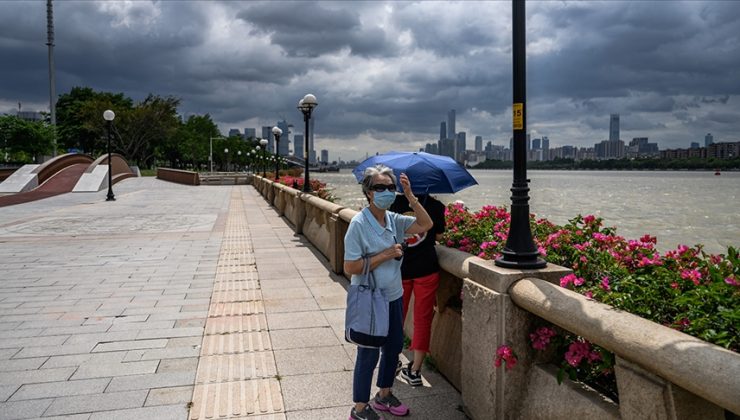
(52, 84)
(520, 251)
(277, 154)
(210, 153)
(264, 163)
(110, 196)
(306, 117)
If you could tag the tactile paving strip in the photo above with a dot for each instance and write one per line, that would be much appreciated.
(237, 375)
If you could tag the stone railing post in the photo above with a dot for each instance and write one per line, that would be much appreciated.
(300, 212)
(491, 319)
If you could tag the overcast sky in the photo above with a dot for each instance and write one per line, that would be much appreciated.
(386, 73)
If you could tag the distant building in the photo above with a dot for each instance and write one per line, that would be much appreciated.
(708, 139)
(723, 150)
(447, 148)
(460, 146)
(478, 144)
(234, 132)
(442, 130)
(431, 148)
(267, 134)
(451, 133)
(324, 156)
(694, 145)
(250, 133)
(614, 127)
(311, 148)
(536, 143)
(298, 143)
(284, 144)
(30, 115)
(609, 149)
(641, 147)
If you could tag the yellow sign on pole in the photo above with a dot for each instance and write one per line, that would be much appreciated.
(518, 109)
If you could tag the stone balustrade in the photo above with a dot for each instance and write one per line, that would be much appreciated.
(178, 176)
(661, 373)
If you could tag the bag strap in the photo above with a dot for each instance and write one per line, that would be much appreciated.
(367, 273)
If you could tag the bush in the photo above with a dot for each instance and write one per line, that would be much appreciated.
(685, 289)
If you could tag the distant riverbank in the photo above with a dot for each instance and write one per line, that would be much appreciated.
(695, 164)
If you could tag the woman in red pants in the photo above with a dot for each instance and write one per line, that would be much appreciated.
(420, 274)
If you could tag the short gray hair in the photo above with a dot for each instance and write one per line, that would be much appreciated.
(369, 174)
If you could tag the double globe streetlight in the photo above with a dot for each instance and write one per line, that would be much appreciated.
(108, 116)
(306, 106)
(277, 132)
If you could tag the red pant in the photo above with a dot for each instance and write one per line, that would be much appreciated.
(425, 295)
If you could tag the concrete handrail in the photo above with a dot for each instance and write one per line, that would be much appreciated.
(702, 368)
(54, 165)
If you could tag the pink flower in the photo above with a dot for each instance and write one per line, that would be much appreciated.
(541, 337)
(505, 355)
(571, 278)
(576, 352)
(605, 283)
(693, 275)
(589, 219)
(732, 282)
(589, 294)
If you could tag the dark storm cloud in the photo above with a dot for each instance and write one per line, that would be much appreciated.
(311, 29)
(394, 69)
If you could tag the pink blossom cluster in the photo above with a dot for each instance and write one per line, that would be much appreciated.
(579, 351)
(541, 337)
(565, 281)
(505, 355)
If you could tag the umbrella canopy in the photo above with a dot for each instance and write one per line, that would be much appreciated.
(428, 173)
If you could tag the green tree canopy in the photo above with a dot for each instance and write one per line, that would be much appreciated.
(24, 141)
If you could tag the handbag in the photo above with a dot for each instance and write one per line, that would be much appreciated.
(366, 317)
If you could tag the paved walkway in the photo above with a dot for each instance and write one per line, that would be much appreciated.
(174, 302)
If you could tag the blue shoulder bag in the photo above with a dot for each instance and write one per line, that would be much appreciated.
(366, 318)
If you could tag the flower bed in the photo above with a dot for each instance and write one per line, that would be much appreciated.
(317, 187)
(685, 289)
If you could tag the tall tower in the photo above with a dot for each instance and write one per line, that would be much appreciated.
(442, 130)
(478, 144)
(614, 127)
(708, 139)
(451, 133)
(284, 144)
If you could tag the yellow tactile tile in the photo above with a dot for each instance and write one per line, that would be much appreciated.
(236, 399)
(234, 324)
(236, 367)
(236, 375)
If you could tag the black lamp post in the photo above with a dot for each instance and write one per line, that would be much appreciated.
(277, 132)
(226, 158)
(520, 251)
(306, 105)
(109, 115)
(263, 142)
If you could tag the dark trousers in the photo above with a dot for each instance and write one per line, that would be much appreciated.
(368, 358)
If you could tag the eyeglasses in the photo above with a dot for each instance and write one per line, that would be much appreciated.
(383, 187)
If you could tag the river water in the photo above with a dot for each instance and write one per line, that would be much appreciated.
(681, 207)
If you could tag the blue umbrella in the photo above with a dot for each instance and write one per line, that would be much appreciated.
(428, 173)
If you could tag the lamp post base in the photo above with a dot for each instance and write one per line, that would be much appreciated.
(110, 198)
(521, 261)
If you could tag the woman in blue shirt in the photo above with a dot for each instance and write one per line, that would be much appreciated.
(377, 233)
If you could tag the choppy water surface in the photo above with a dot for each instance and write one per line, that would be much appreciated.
(678, 207)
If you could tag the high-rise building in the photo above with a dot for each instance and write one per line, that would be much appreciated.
(546, 147)
(537, 144)
(250, 133)
(447, 147)
(609, 149)
(298, 146)
(451, 133)
(311, 148)
(694, 145)
(234, 132)
(267, 134)
(614, 127)
(708, 139)
(284, 144)
(460, 146)
(324, 156)
(478, 144)
(442, 130)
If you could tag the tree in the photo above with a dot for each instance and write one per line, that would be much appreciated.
(80, 118)
(25, 141)
(145, 128)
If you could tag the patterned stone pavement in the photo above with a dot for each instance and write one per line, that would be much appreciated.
(173, 302)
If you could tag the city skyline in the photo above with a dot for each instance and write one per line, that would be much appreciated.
(386, 74)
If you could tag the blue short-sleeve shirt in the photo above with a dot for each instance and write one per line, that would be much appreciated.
(365, 237)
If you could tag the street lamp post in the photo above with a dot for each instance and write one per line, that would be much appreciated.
(263, 142)
(238, 160)
(109, 115)
(277, 132)
(256, 158)
(226, 156)
(520, 251)
(306, 105)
